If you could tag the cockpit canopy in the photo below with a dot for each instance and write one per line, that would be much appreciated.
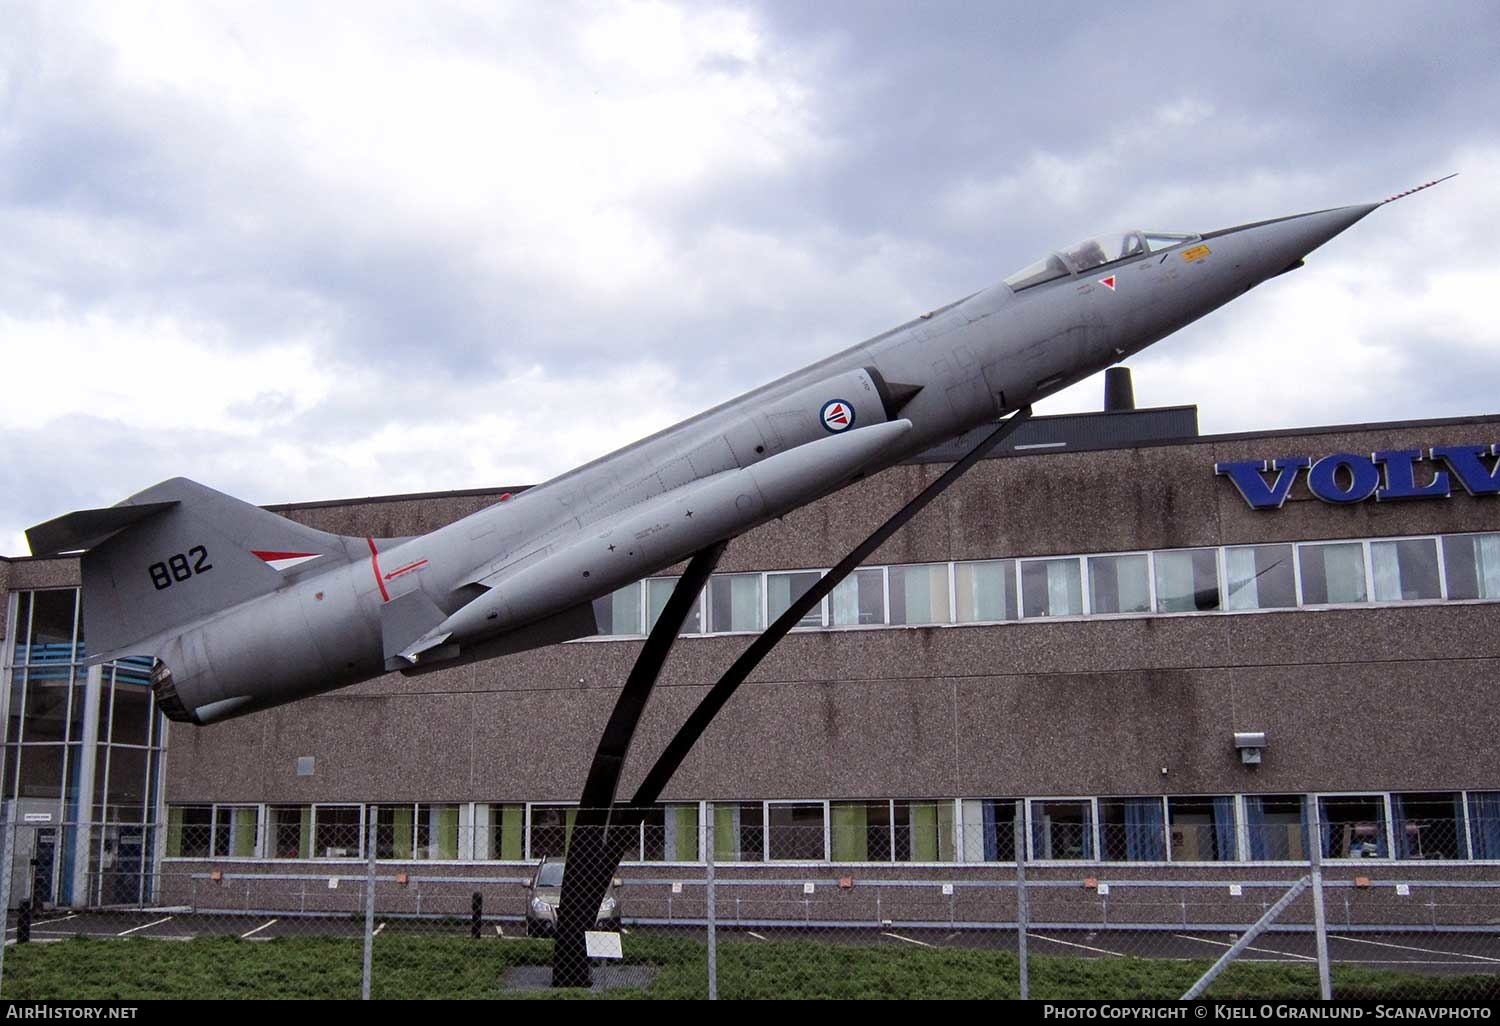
(1095, 252)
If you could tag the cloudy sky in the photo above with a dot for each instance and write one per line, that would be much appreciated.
(303, 251)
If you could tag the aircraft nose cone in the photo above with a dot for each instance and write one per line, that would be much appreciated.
(1301, 235)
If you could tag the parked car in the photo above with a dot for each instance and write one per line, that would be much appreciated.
(544, 893)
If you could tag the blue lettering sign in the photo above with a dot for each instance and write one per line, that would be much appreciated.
(1401, 477)
(1323, 478)
(1465, 462)
(1345, 478)
(1246, 477)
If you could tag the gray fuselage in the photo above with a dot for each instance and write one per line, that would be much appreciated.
(523, 572)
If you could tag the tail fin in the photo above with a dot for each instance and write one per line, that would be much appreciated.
(175, 553)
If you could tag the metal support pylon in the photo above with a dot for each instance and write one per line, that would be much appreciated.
(612, 824)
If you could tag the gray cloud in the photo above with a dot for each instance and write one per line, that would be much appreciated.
(854, 163)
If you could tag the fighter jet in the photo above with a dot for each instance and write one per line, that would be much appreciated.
(244, 609)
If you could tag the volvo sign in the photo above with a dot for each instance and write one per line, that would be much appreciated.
(1346, 477)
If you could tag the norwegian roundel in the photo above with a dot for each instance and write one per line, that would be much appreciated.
(837, 415)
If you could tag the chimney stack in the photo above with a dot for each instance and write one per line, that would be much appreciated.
(1119, 394)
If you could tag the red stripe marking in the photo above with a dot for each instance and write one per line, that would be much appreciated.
(385, 596)
(408, 568)
(268, 556)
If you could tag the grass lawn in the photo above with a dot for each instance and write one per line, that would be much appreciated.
(452, 967)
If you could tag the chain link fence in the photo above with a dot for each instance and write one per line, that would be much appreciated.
(378, 904)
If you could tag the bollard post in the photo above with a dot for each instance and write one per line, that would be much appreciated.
(476, 914)
(23, 922)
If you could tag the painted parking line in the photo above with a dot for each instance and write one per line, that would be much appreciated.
(1408, 947)
(144, 926)
(45, 922)
(1072, 944)
(897, 936)
(1263, 951)
(262, 926)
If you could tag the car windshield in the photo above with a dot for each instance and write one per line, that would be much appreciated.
(550, 875)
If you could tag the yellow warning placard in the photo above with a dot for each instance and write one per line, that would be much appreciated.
(1195, 253)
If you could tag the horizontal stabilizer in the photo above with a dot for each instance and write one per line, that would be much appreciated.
(86, 528)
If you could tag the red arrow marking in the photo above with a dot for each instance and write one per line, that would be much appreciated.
(408, 568)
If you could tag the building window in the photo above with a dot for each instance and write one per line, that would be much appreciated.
(1260, 577)
(551, 829)
(670, 834)
(658, 590)
(236, 831)
(1187, 581)
(437, 832)
(1120, 584)
(1202, 829)
(892, 831)
(1429, 826)
(989, 826)
(619, 612)
(986, 591)
(291, 831)
(189, 829)
(859, 599)
(734, 603)
(1131, 830)
(739, 832)
(1277, 827)
(1405, 571)
(393, 831)
(919, 594)
(1484, 824)
(785, 588)
(1471, 562)
(337, 829)
(1353, 826)
(502, 829)
(1062, 829)
(860, 831)
(1051, 587)
(1332, 574)
(795, 831)
(923, 831)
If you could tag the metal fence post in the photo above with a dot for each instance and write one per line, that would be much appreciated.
(369, 909)
(713, 937)
(1320, 917)
(1023, 912)
(7, 868)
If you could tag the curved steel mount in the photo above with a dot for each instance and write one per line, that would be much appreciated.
(607, 828)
